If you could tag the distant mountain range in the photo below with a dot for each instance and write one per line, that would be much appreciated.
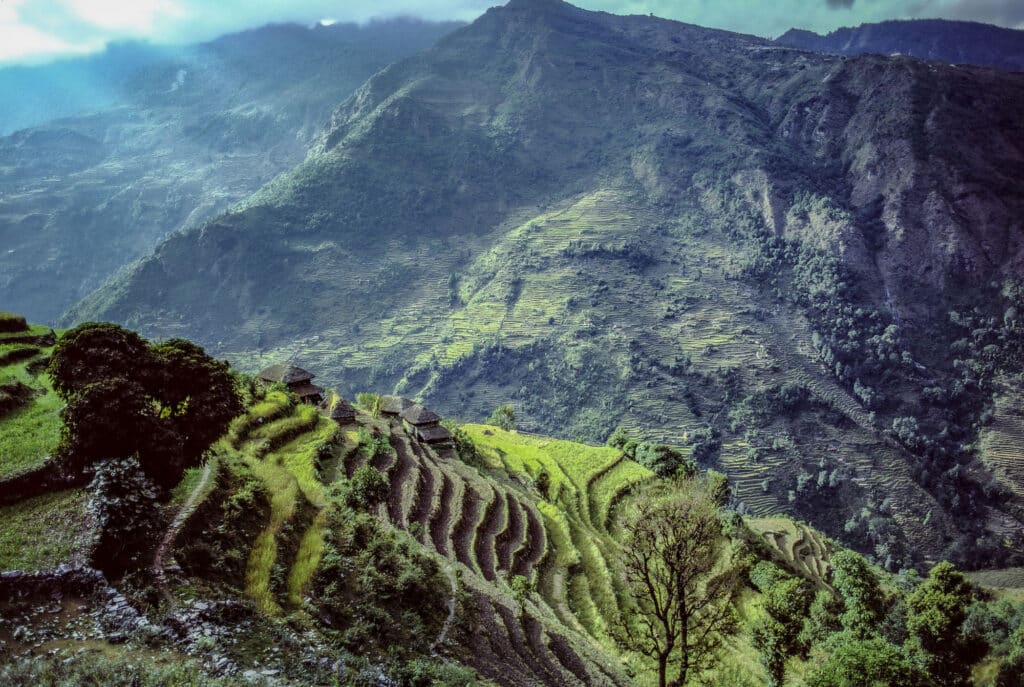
(702, 237)
(955, 42)
(125, 148)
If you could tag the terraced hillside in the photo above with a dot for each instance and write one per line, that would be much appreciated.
(796, 547)
(1002, 442)
(488, 525)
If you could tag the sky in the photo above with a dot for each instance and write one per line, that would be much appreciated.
(33, 31)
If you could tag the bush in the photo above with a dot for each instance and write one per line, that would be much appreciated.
(465, 449)
(662, 460)
(366, 488)
(10, 323)
(376, 590)
(370, 403)
(503, 417)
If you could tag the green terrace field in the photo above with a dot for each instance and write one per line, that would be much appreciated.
(29, 410)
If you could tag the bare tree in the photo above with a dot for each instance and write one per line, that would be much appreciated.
(681, 600)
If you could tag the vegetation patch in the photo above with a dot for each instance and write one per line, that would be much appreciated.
(45, 531)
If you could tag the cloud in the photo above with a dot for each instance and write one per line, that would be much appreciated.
(35, 29)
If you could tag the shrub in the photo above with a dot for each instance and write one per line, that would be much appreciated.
(663, 460)
(367, 487)
(503, 417)
(370, 403)
(10, 323)
(465, 449)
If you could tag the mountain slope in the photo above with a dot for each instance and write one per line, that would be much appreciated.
(630, 221)
(955, 42)
(185, 133)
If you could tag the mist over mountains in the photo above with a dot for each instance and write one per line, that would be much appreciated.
(151, 140)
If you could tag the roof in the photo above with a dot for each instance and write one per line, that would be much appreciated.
(342, 410)
(434, 435)
(288, 374)
(394, 405)
(307, 390)
(418, 415)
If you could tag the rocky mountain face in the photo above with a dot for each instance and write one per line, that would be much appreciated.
(955, 42)
(161, 139)
(702, 237)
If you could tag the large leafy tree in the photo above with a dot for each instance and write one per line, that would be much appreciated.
(163, 403)
(680, 604)
(936, 612)
(857, 662)
(863, 598)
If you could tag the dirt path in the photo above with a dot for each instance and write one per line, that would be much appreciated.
(159, 559)
(443, 634)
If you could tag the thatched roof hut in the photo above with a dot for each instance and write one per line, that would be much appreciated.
(342, 411)
(420, 416)
(393, 406)
(299, 382)
(286, 374)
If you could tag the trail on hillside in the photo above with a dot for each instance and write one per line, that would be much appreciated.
(159, 573)
(443, 634)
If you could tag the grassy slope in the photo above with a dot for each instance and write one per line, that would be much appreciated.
(31, 432)
(40, 533)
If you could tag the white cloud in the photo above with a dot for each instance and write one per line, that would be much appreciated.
(26, 43)
(137, 17)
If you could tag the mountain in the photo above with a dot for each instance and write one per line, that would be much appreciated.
(160, 139)
(954, 42)
(805, 268)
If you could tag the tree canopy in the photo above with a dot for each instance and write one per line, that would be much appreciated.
(682, 604)
(164, 403)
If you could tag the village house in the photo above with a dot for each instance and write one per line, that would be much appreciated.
(341, 411)
(425, 425)
(394, 406)
(298, 381)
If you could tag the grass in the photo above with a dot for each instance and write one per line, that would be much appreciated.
(307, 560)
(31, 433)
(279, 442)
(284, 492)
(569, 465)
(42, 532)
(1005, 578)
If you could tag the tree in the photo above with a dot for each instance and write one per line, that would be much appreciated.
(786, 601)
(863, 599)
(1011, 669)
(856, 662)
(196, 399)
(370, 402)
(163, 403)
(97, 351)
(664, 461)
(936, 612)
(678, 608)
(503, 417)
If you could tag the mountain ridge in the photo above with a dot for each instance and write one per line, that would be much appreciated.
(953, 42)
(635, 222)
